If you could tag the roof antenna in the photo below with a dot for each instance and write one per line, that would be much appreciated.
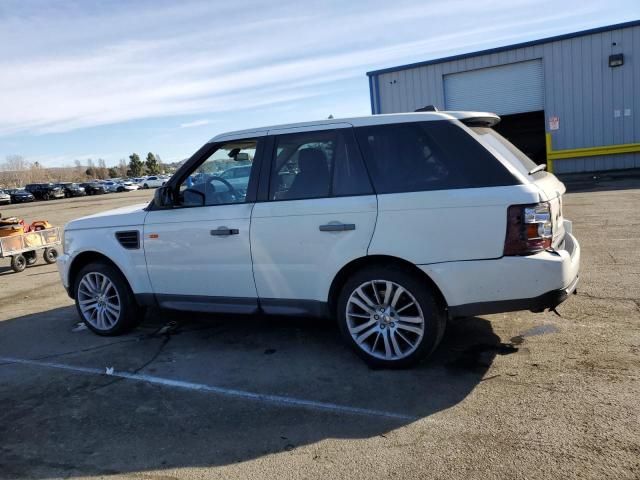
(427, 108)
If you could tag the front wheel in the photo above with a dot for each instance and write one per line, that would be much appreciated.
(392, 319)
(18, 263)
(146, 187)
(104, 300)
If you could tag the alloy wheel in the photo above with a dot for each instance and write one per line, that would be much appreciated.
(99, 301)
(385, 320)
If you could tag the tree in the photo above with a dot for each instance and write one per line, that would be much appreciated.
(16, 171)
(122, 168)
(114, 172)
(136, 167)
(153, 167)
(91, 170)
(102, 172)
(78, 171)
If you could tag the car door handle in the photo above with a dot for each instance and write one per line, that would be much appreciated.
(223, 231)
(337, 227)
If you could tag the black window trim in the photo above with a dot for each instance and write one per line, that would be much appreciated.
(418, 190)
(264, 190)
(198, 158)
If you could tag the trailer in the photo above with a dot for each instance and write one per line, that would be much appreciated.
(23, 248)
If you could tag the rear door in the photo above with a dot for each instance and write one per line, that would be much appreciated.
(442, 197)
(318, 213)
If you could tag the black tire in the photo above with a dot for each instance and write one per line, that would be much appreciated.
(18, 263)
(50, 255)
(46, 197)
(130, 313)
(30, 257)
(146, 187)
(426, 305)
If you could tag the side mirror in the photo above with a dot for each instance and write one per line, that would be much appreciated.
(162, 198)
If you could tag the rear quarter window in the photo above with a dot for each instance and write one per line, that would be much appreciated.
(424, 156)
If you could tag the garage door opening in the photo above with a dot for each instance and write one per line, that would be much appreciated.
(525, 131)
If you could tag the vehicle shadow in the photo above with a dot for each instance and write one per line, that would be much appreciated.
(55, 422)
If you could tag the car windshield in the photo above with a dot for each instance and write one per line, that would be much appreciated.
(507, 149)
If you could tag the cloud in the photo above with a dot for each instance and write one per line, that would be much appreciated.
(99, 63)
(195, 123)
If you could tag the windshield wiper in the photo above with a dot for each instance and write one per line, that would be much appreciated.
(537, 169)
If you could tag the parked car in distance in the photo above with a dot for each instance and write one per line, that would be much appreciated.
(5, 198)
(93, 188)
(153, 181)
(71, 189)
(390, 224)
(44, 191)
(110, 186)
(19, 195)
(127, 187)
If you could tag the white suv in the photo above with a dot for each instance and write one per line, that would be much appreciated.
(391, 224)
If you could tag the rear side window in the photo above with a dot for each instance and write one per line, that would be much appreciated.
(422, 156)
(317, 164)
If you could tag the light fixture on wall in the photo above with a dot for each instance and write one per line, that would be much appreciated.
(616, 60)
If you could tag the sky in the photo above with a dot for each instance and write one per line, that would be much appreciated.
(86, 79)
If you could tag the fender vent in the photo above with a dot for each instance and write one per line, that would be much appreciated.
(129, 239)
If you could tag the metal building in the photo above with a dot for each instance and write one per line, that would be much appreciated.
(571, 100)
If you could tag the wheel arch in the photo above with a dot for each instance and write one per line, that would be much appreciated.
(85, 258)
(378, 261)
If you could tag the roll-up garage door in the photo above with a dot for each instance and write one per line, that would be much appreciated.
(506, 89)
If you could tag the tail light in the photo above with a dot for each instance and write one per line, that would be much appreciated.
(529, 229)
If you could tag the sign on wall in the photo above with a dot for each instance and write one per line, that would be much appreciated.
(554, 123)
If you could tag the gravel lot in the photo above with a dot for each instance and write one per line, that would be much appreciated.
(518, 395)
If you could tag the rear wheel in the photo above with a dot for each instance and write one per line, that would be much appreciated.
(104, 300)
(18, 263)
(50, 255)
(389, 317)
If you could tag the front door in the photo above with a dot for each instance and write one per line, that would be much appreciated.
(198, 253)
(320, 214)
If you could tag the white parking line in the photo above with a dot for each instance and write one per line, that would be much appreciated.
(201, 387)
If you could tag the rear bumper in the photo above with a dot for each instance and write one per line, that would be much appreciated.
(535, 282)
(548, 300)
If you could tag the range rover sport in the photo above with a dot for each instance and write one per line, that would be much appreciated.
(391, 224)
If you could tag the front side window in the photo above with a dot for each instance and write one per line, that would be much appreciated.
(317, 164)
(423, 156)
(210, 184)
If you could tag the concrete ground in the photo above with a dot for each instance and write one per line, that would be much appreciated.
(517, 395)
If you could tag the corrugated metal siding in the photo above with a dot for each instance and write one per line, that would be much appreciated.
(579, 87)
(505, 89)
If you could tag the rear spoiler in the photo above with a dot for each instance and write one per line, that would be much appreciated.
(476, 119)
(480, 121)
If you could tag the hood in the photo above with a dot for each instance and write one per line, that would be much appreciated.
(120, 217)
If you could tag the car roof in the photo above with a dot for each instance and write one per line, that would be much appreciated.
(369, 120)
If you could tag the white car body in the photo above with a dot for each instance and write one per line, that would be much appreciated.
(153, 181)
(280, 262)
(128, 186)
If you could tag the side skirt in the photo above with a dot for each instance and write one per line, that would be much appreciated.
(235, 305)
